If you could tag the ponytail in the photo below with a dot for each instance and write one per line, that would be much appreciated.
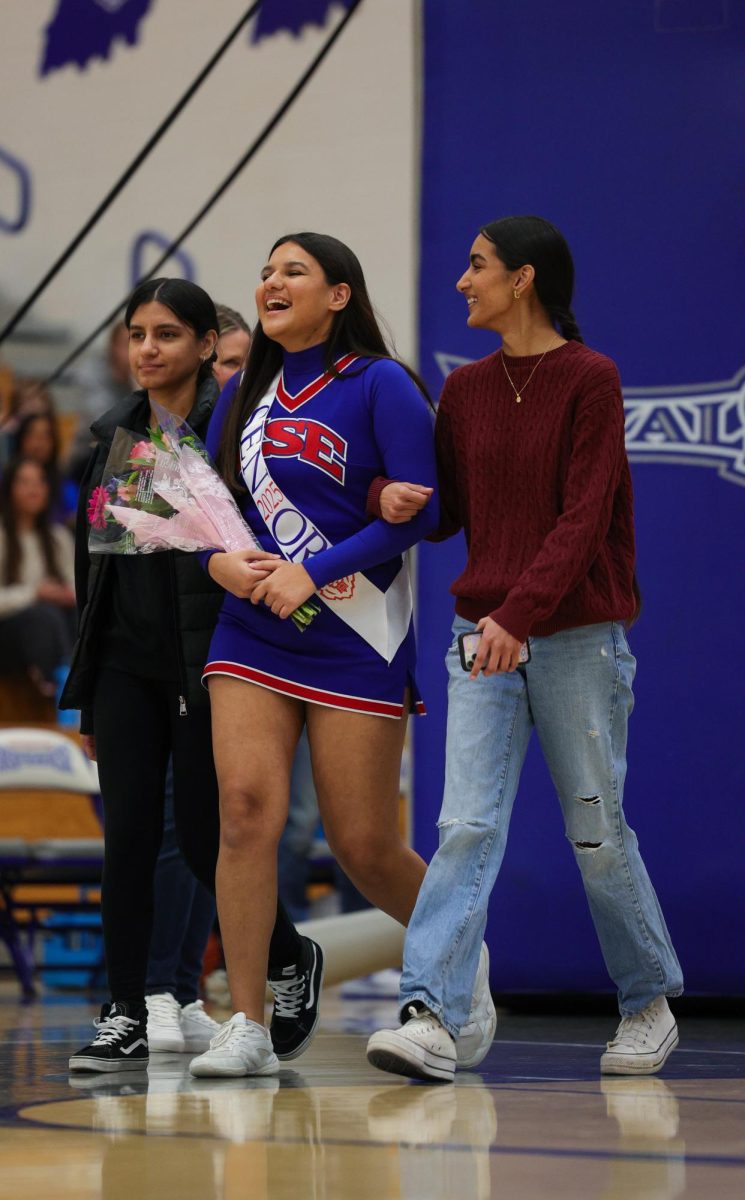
(521, 240)
(566, 321)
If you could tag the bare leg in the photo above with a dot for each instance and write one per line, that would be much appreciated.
(356, 767)
(254, 735)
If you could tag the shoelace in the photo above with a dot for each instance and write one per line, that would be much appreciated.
(227, 1030)
(632, 1029)
(230, 1030)
(426, 1019)
(288, 995)
(112, 1029)
(196, 1013)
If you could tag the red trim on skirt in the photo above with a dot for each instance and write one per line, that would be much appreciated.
(299, 691)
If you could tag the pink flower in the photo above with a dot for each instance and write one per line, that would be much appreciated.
(97, 507)
(126, 491)
(143, 450)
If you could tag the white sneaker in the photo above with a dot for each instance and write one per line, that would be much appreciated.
(217, 988)
(420, 1049)
(164, 1030)
(197, 1027)
(242, 1047)
(643, 1041)
(475, 1038)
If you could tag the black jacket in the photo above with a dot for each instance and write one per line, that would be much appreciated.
(196, 597)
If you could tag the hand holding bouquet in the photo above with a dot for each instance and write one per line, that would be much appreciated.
(162, 493)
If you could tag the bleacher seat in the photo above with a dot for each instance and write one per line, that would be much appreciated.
(53, 764)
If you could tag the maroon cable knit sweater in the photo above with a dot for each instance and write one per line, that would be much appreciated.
(542, 490)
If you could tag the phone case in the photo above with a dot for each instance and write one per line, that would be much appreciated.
(468, 645)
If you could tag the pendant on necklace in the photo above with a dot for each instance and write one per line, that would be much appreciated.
(518, 399)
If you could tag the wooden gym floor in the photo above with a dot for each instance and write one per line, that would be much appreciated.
(536, 1121)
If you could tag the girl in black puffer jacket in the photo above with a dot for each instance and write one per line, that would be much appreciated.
(144, 631)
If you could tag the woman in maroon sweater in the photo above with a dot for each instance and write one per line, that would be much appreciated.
(532, 466)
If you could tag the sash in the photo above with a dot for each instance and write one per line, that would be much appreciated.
(381, 618)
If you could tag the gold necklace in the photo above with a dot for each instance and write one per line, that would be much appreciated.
(518, 394)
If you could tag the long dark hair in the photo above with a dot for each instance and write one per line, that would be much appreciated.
(42, 524)
(354, 330)
(51, 468)
(187, 300)
(533, 240)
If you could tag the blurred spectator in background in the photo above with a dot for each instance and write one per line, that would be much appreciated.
(37, 438)
(26, 396)
(21, 398)
(232, 344)
(184, 911)
(37, 598)
(183, 917)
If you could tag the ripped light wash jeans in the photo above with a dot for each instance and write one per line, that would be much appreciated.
(576, 691)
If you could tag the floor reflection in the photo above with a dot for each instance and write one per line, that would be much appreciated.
(648, 1117)
(536, 1121)
(239, 1138)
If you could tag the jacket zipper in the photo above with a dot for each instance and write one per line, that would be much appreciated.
(182, 709)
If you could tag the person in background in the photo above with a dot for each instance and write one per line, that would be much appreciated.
(24, 396)
(532, 466)
(233, 344)
(37, 597)
(37, 437)
(183, 916)
(184, 910)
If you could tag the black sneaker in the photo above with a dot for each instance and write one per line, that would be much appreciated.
(120, 1043)
(296, 992)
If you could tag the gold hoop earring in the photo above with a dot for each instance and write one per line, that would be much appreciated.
(515, 293)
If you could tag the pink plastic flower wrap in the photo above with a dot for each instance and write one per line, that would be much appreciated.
(163, 493)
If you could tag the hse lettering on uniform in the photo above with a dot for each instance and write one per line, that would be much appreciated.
(310, 441)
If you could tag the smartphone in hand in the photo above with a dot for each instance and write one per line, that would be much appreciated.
(468, 644)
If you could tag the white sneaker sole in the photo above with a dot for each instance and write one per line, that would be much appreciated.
(78, 1063)
(163, 1044)
(639, 1064)
(390, 1051)
(229, 1070)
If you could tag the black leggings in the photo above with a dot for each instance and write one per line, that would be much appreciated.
(137, 728)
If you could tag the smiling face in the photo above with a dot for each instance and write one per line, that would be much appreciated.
(29, 494)
(164, 352)
(488, 286)
(295, 301)
(231, 349)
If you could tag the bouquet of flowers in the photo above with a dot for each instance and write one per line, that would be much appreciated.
(163, 493)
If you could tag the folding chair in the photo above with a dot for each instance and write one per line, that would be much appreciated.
(43, 762)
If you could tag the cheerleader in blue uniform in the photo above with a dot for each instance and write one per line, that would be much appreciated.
(321, 410)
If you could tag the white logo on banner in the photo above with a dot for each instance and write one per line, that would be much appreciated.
(701, 425)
